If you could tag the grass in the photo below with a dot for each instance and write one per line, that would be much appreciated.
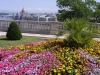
(25, 39)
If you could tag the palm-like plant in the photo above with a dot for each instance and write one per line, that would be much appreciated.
(80, 32)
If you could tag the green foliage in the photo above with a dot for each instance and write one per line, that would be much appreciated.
(75, 24)
(13, 32)
(79, 39)
(64, 14)
(75, 9)
(96, 13)
(80, 32)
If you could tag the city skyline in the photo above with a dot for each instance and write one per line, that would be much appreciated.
(30, 6)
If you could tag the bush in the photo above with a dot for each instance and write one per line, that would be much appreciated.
(79, 39)
(13, 32)
(80, 32)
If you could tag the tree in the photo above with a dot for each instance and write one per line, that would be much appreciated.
(96, 13)
(75, 9)
(13, 32)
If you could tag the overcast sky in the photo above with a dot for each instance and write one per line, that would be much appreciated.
(31, 6)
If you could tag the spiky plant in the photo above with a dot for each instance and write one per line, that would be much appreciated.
(80, 32)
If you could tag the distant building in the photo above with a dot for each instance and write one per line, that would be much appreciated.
(42, 19)
(50, 17)
(35, 17)
(23, 15)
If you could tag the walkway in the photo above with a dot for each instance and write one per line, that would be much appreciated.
(37, 35)
(40, 35)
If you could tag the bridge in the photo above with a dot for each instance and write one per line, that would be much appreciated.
(30, 26)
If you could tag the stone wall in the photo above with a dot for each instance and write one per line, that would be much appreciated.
(33, 26)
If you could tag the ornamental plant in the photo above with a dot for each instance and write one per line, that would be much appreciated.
(81, 32)
(13, 32)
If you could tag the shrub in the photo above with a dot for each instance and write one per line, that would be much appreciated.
(79, 39)
(81, 32)
(13, 32)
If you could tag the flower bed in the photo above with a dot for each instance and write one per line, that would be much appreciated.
(49, 58)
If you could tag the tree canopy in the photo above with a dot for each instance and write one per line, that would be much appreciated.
(76, 8)
(96, 13)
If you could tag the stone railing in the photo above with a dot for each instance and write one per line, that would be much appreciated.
(33, 26)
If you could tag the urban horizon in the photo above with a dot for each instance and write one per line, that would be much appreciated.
(13, 12)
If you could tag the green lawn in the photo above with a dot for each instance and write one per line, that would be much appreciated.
(26, 39)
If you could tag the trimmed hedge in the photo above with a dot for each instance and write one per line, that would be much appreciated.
(13, 32)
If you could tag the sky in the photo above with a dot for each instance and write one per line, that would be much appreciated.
(30, 6)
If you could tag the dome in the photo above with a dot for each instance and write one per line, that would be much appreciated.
(23, 11)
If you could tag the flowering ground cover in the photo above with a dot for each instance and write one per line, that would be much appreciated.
(50, 58)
